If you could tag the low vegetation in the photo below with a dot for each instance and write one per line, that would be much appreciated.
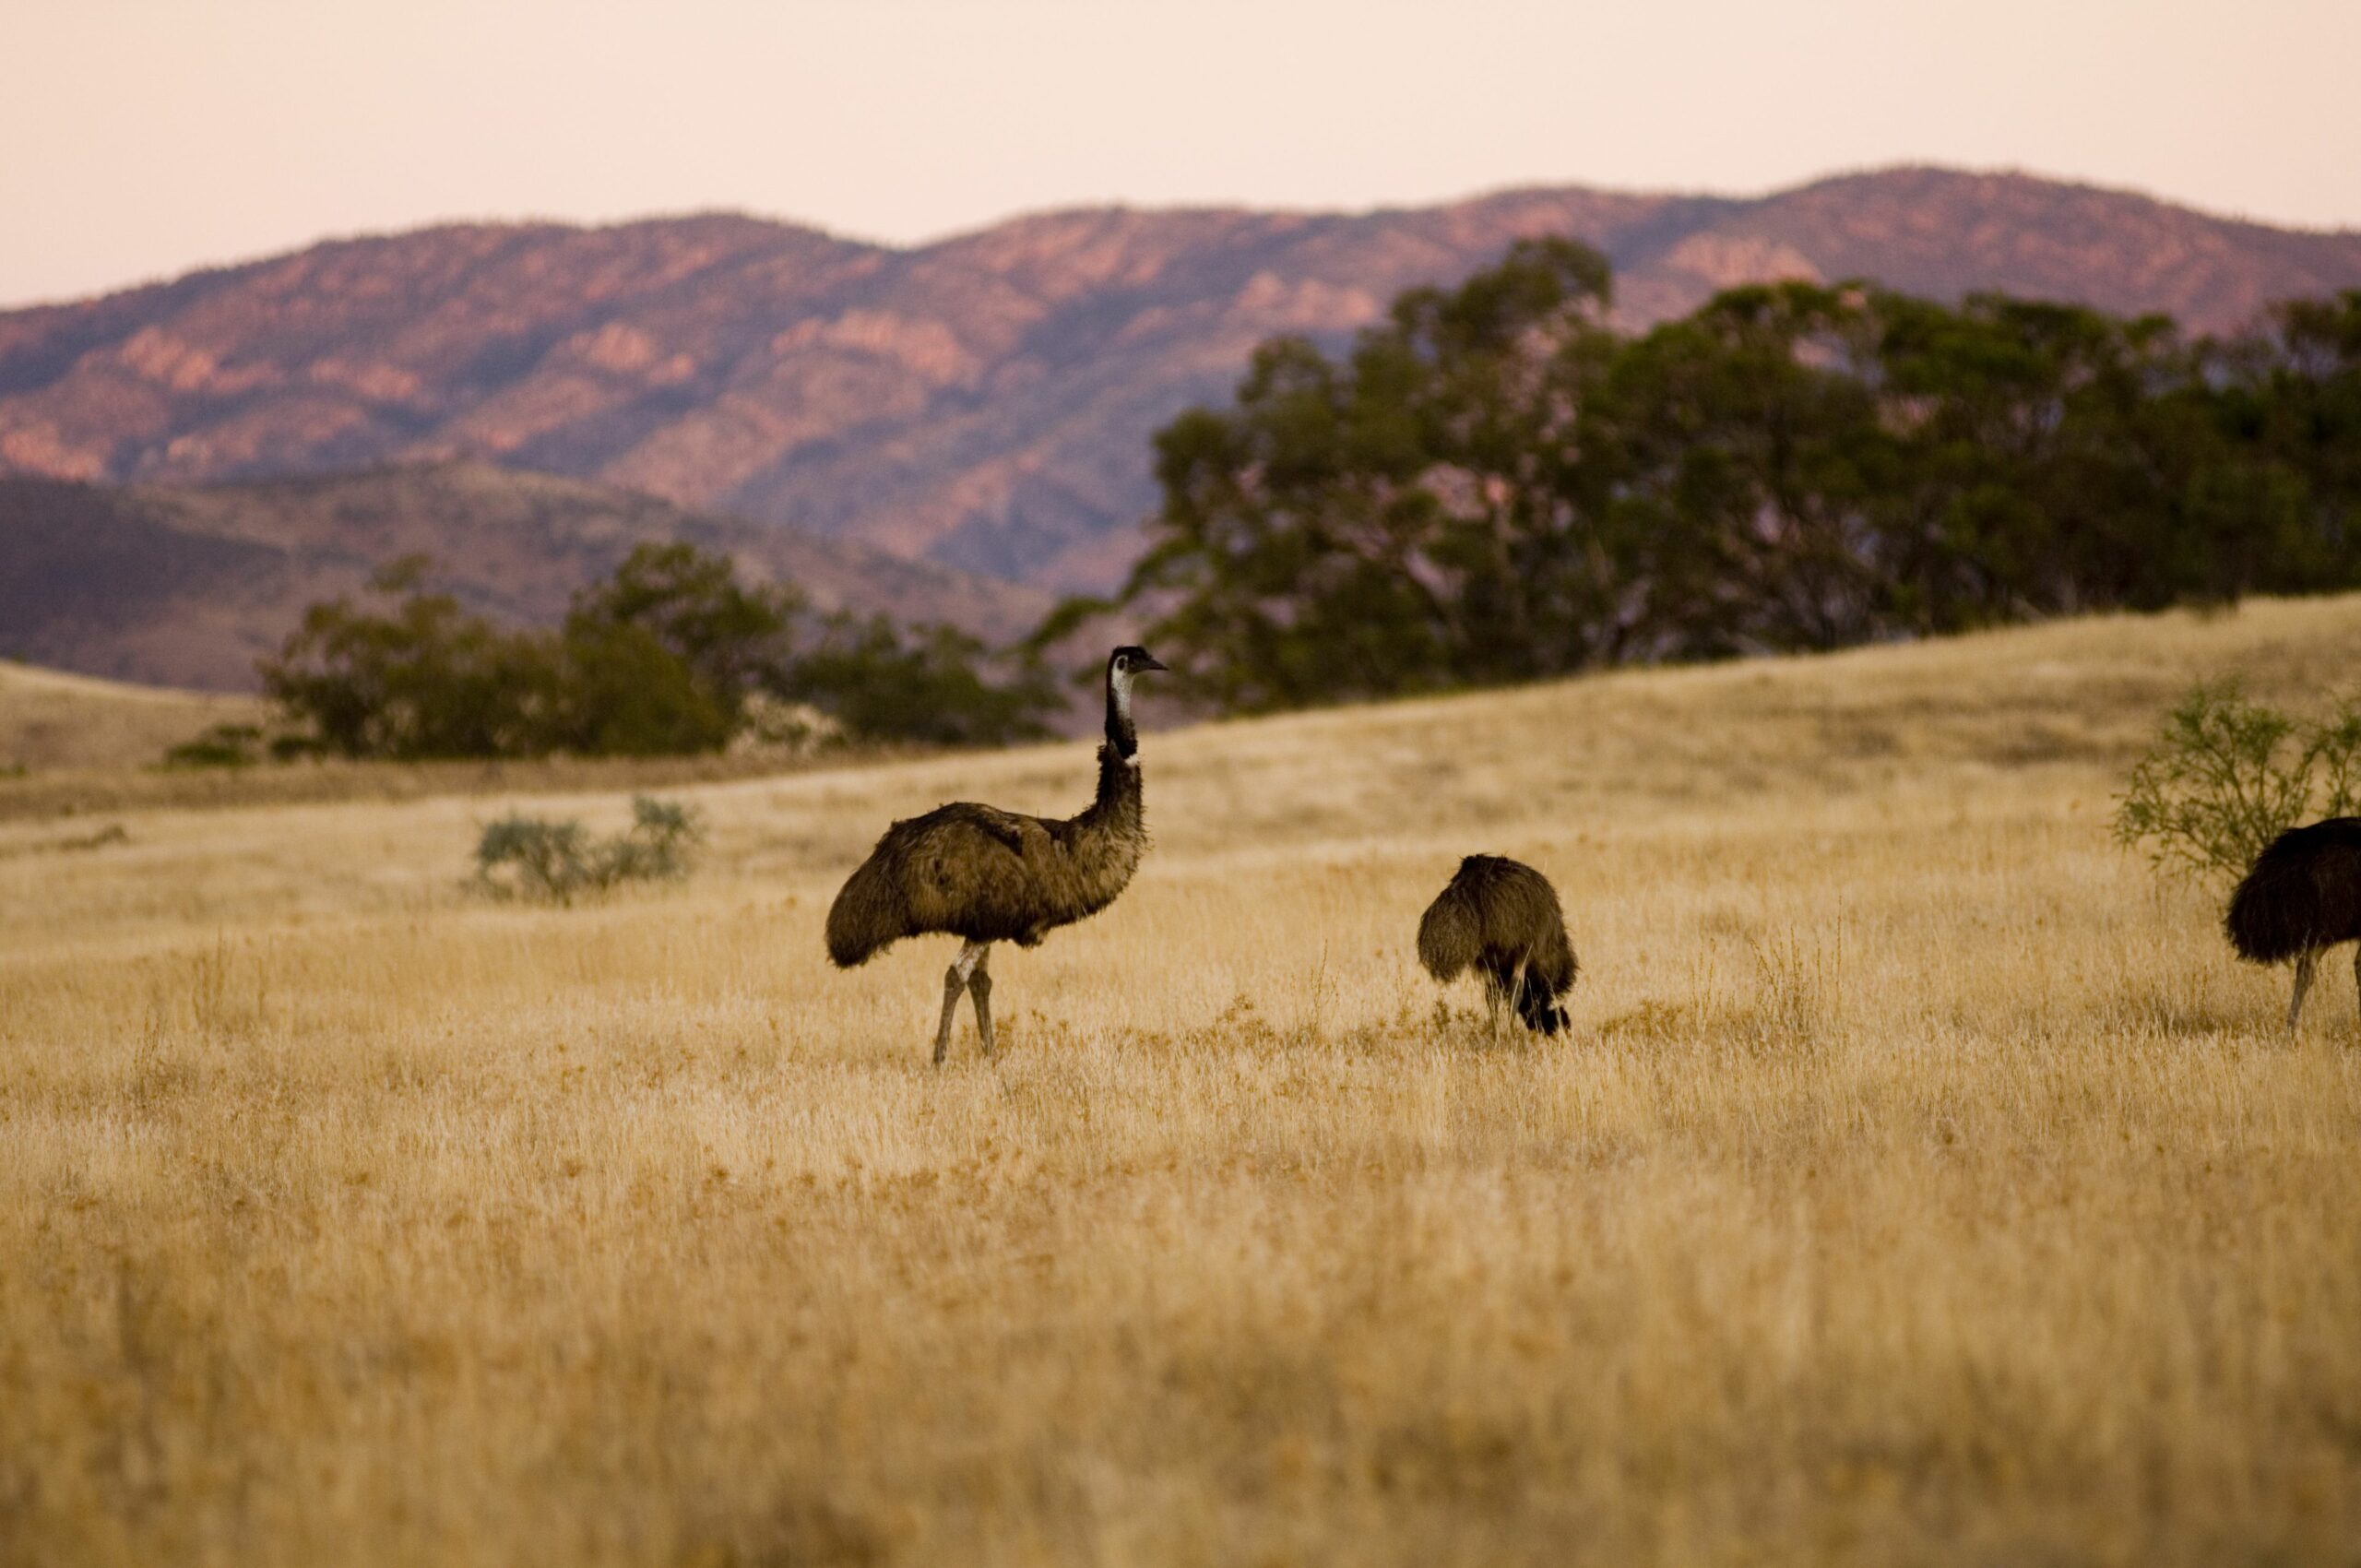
(1918, 1179)
(220, 745)
(556, 862)
(670, 656)
(2226, 775)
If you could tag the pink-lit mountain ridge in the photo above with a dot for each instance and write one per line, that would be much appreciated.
(982, 403)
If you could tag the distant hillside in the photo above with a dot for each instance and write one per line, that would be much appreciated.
(186, 585)
(985, 401)
(52, 720)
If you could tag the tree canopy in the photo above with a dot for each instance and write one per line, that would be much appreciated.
(1492, 484)
(666, 656)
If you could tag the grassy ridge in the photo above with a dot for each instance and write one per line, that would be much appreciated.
(53, 721)
(1921, 1180)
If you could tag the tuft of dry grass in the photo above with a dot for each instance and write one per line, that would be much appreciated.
(1921, 1180)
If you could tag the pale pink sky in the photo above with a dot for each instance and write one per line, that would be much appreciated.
(141, 137)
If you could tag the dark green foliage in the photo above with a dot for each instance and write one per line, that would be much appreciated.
(872, 682)
(525, 857)
(625, 693)
(678, 601)
(666, 657)
(1492, 486)
(659, 659)
(2227, 775)
(221, 745)
(426, 680)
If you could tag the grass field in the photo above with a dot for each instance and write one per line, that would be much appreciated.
(49, 720)
(1922, 1180)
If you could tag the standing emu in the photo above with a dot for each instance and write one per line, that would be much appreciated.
(987, 875)
(1501, 917)
(2302, 896)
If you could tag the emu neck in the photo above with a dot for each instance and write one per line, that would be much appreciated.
(1117, 805)
(1121, 735)
(1118, 801)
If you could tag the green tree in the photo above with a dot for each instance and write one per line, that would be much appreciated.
(734, 637)
(621, 691)
(929, 688)
(1750, 448)
(1491, 486)
(423, 680)
(1413, 516)
(661, 657)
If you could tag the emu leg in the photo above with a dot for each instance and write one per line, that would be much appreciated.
(1517, 998)
(979, 992)
(2303, 983)
(955, 984)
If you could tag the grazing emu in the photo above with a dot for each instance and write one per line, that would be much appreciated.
(1501, 917)
(2302, 896)
(987, 875)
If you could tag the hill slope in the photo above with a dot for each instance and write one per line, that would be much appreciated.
(53, 721)
(984, 401)
(187, 586)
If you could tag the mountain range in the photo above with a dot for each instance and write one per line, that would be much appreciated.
(982, 403)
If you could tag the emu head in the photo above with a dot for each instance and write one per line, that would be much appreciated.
(1122, 665)
(1127, 661)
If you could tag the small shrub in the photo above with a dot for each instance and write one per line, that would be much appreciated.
(222, 745)
(657, 846)
(532, 858)
(2226, 775)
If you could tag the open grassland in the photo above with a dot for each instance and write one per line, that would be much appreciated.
(1922, 1180)
(36, 796)
(49, 720)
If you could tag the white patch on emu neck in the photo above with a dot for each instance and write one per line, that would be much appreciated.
(1119, 688)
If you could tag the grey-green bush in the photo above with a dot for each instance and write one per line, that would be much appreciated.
(2226, 775)
(533, 858)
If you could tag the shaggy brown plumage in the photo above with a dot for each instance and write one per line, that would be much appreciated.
(990, 875)
(2302, 895)
(986, 875)
(1501, 918)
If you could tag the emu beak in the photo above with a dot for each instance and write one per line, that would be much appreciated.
(1151, 662)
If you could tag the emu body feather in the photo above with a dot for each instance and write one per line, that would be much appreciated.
(1502, 919)
(986, 875)
(2302, 893)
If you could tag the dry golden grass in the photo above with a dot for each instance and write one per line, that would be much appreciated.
(87, 792)
(49, 720)
(1922, 1180)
